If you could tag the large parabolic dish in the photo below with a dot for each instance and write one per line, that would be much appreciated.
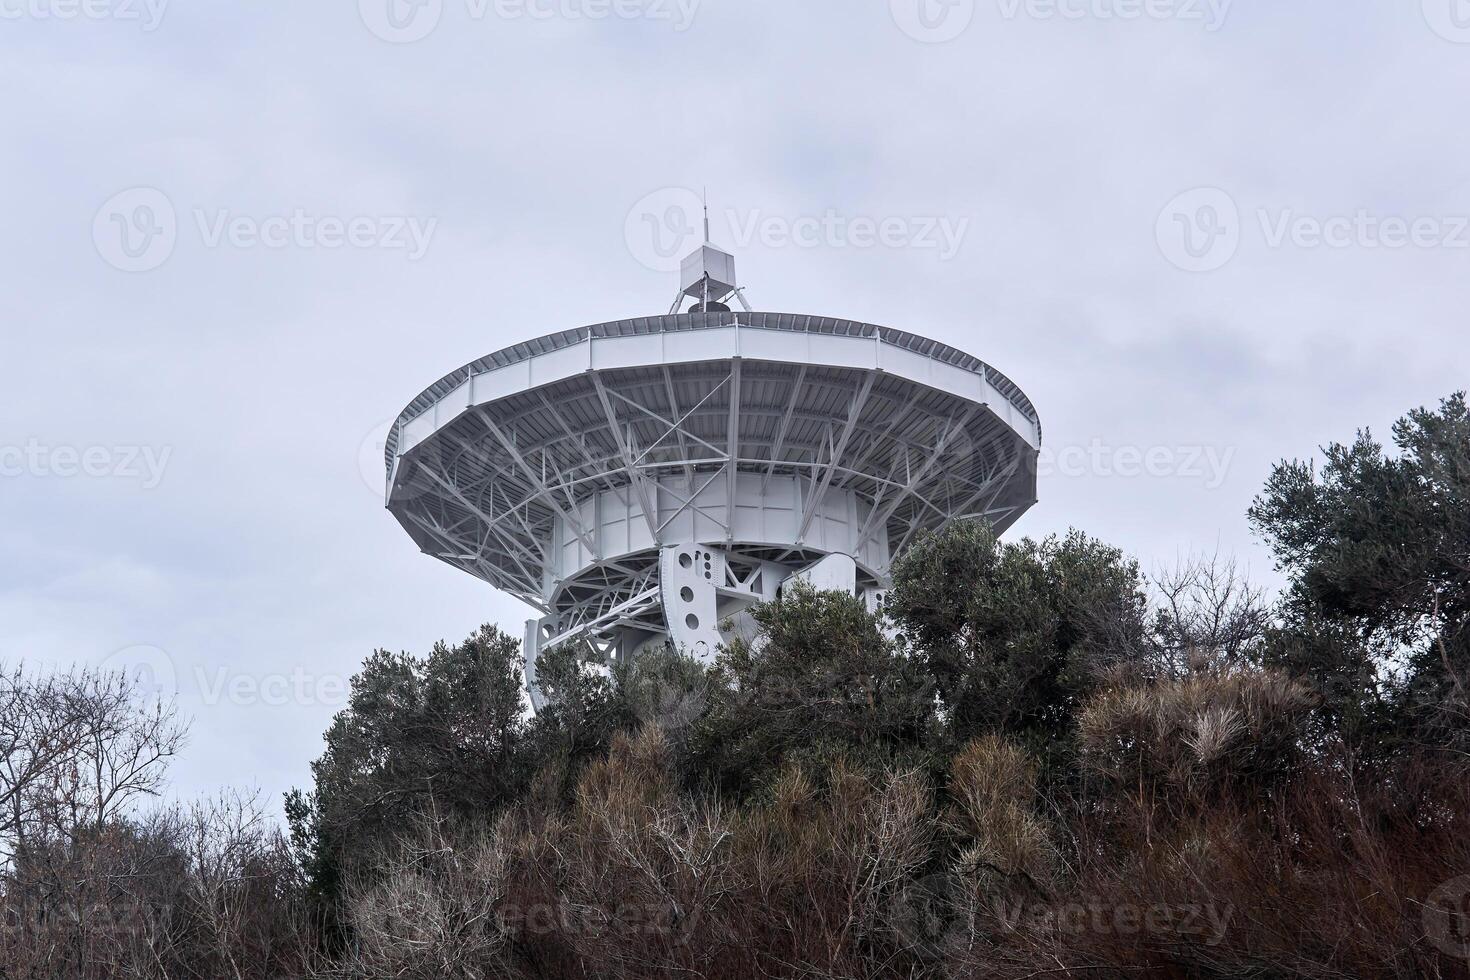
(646, 480)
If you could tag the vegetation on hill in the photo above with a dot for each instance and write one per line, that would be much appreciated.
(1036, 763)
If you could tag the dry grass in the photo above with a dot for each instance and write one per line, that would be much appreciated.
(838, 874)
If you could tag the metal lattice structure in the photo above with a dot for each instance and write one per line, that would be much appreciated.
(642, 481)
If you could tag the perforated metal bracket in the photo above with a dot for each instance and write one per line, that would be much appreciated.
(690, 575)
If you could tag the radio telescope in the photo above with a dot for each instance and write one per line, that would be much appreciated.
(645, 481)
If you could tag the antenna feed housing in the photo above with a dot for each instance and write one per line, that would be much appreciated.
(708, 274)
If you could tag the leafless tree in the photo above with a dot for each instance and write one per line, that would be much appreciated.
(240, 870)
(41, 724)
(1207, 613)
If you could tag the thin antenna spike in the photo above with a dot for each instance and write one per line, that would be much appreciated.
(707, 239)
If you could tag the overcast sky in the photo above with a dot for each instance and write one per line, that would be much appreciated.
(239, 237)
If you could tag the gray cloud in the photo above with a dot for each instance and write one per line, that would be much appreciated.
(261, 370)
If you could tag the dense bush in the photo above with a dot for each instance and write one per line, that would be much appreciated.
(1014, 636)
(1378, 551)
(821, 680)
